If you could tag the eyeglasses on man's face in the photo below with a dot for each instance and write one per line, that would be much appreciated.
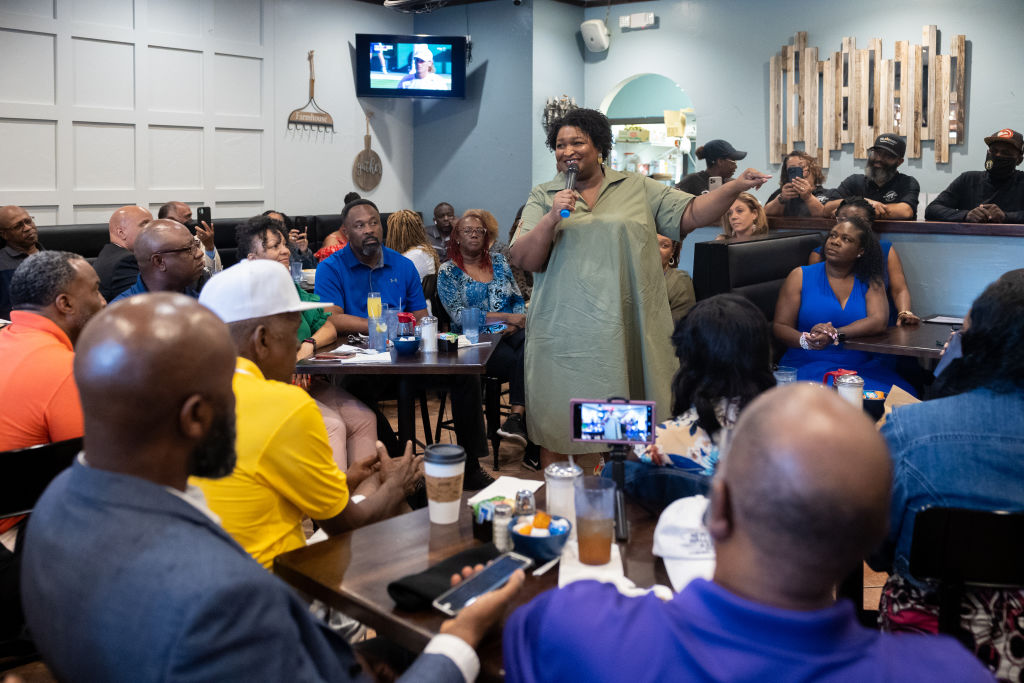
(193, 246)
(24, 224)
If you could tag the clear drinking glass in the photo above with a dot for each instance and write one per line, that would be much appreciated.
(595, 519)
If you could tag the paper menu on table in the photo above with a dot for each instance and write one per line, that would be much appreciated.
(506, 487)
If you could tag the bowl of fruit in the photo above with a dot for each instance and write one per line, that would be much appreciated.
(539, 536)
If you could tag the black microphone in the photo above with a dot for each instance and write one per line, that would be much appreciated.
(571, 171)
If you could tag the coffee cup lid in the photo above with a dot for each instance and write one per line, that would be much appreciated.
(445, 454)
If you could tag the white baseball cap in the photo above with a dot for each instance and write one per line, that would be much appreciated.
(683, 543)
(421, 51)
(254, 288)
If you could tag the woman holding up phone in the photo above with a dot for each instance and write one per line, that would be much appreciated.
(800, 192)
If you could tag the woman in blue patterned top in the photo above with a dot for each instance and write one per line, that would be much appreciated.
(475, 278)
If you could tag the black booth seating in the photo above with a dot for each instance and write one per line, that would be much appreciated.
(755, 268)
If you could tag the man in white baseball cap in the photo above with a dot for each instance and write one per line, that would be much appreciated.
(286, 469)
(423, 75)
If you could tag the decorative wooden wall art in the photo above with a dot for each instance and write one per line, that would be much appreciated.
(918, 94)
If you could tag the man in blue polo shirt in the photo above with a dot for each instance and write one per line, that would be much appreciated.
(364, 266)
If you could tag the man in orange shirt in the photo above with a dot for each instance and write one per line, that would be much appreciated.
(53, 295)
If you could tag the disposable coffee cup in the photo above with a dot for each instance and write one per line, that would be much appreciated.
(443, 467)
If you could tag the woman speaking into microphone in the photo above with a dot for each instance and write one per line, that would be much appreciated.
(599, 321)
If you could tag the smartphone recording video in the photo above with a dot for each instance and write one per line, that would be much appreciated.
(616, 422)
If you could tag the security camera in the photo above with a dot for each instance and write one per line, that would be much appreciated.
(517, 3)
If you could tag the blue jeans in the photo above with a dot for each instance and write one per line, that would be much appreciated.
(654, 487)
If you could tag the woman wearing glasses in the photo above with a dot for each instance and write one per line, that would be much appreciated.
(475, 278)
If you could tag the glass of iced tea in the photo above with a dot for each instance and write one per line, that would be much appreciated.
(595, 518)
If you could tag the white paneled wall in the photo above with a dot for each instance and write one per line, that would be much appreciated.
(112, 102)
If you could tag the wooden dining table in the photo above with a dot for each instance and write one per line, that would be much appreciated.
(351, 573)
(924, 341)
(470, 360)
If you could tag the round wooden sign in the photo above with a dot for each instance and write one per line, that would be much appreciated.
(367, 169)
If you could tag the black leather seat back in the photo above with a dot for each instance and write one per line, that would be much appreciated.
(755, 269)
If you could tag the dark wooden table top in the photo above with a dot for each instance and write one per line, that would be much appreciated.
(920, 341)
(468, 361)
(351, 572)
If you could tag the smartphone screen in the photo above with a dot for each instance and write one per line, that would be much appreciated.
(490, 578)
(794, 172)
(612, 421)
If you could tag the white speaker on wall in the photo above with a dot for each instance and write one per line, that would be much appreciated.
(596, 35)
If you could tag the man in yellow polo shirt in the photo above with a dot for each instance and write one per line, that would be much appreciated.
(286, 470)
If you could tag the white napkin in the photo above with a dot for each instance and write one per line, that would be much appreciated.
(570, 569)
(465, 343)
(506, 487)
(368, 357)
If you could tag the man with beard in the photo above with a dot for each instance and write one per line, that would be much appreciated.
(892, 194)
(128, 576)
(365, 266)
(286, 469)
(441, 230)
(995, 195)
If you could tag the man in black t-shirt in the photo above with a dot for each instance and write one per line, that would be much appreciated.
(892, 194)
(995, 195)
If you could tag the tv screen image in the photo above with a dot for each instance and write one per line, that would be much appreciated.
(410, 66)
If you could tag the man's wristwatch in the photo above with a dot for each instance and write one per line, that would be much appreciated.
(310, 341)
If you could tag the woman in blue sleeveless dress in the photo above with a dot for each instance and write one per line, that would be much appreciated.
(893, 277)
(821, 305)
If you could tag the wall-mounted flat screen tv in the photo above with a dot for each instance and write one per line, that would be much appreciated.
(410, 66)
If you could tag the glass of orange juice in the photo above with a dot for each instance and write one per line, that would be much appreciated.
(373, 305)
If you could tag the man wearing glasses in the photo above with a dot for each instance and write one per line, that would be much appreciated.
(18, 230)
(20, 239)
(170, 260)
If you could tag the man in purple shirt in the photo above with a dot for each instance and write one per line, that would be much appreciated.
(799, 500)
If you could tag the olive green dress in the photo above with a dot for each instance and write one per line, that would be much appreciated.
(599, 323)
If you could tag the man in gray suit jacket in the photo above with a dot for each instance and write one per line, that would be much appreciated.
(127, 576)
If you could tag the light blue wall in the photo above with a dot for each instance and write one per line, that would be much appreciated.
(475, 153)
(718, 53)
(557, 71)
(490, 146)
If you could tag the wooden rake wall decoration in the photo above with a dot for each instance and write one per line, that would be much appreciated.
(919, 94)
(311, 116)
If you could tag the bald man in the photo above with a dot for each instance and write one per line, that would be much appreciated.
(128, 576)
(116, 264)
(799, 500)
(170, 259)
(182, 212)
(20, 235)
